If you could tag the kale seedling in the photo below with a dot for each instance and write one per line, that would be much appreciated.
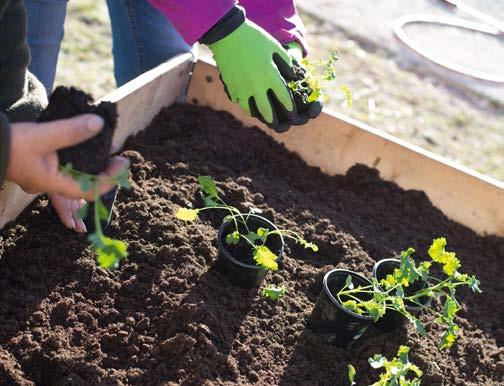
(109, 252)
(389, 294)
(320, 74)
(399, 371)
(256, 239)
(273, 292)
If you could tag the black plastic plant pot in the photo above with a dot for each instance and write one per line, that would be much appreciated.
(330, 318)
(392, 319)
(236, 262)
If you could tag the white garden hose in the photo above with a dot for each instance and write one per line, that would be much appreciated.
(489, 26)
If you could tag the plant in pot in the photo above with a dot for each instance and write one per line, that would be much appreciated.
(392, 318)
(339, 324)
(398, 371)
(249, 244)
(83, 162)
(377, 299)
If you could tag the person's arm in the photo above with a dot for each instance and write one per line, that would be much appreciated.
(279, 18)
(4, 146)
(193, 18)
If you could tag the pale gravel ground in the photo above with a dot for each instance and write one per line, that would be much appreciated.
(416, 109)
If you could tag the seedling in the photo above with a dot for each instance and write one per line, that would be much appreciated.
(389, 294)
(319, 76)
(262, 255)
(399, 371)
(273, 292)
(109, 252)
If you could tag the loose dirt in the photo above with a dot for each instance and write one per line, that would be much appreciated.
(167, 317)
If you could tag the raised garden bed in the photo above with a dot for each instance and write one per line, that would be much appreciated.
(167, 316)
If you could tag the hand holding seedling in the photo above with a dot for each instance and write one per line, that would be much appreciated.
(33, 162)
(390, 295)
(309, 85)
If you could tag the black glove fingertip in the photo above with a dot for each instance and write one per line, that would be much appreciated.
(315, 109)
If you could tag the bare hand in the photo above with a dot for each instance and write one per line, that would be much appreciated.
(33, 161)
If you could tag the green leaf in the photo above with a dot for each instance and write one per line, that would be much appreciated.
(423, 269)
(450, 308)
(265, 258)
(185, 214)
(402, 353)
(233, 238)
(437, 248)
(86, 182)
(474, 284)
(252, 237)
(208, 186)
(314, 95)
(348, 282)
(82, 212)
(273, 292)
(208, 202)
(451, 263)
(123, 178)
(400, 291)
(374, 309)
(263, 234)
(348, 95)
(449, 337)
(352, 306)
(419, 326)
(351, 375)
(307, 245)
(109, 251)
(103, 213)
(96, 240)
(377, 361)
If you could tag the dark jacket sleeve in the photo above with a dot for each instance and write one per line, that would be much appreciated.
(4, 146)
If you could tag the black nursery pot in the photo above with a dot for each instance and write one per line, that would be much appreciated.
(392, 319)
(339, 325)
(236, 261)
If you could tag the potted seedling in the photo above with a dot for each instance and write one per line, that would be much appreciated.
(393, 319)
(84, 161)
(378, 298)
(249, 244)
(339, 324)
(398, 371)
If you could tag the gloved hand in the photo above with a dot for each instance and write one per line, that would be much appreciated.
(254, 68)
(305, 110)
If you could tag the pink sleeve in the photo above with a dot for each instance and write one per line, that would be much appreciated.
(279, 18)
(193, 18)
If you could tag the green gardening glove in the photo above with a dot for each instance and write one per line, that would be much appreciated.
(255, 69)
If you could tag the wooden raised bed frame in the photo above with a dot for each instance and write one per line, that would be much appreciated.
(332, 142)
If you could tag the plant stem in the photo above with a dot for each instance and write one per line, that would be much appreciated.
(97, 220)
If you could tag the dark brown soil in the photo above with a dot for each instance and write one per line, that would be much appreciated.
(93, 155)
(167, 317)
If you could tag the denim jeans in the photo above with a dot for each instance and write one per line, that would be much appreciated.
(142, 38)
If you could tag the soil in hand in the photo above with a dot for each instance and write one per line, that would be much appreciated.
(93, 155)
(167, 316)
